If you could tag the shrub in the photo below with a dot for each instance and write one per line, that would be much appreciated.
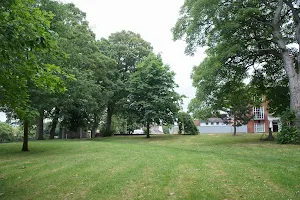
(288, 135)
(166, 130)
(186, 122)
(6, 132)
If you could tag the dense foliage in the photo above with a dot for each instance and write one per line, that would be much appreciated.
(53, 67)
(6, 132)
(288, 133)
(152, 95)
(186, 124)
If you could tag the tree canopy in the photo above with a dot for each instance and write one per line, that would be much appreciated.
(152, 95)
(248, 36)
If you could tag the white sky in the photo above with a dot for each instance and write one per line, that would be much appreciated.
(153, 20)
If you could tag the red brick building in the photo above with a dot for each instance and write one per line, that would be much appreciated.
(262, 120)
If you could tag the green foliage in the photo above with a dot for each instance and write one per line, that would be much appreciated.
(6, 132)
(127, 49)
(239, 36)
(217, 90)
(166, 129)
(288, 133)
(152, 97)
(186, 124)
(25, 37)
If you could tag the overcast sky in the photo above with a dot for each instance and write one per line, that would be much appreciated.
(153, 20)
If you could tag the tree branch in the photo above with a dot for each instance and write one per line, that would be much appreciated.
(276, 23)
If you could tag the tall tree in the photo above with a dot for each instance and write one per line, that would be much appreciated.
(127, 49)
(246, 34)
(25, 37)
(83, 104)
(151, 93)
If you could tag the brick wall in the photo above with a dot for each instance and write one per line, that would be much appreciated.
(266, 120)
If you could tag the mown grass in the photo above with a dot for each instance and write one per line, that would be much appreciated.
(163, 167)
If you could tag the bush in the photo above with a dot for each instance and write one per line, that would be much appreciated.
(166, 130)
(186, 122)
(288, 135)
(6, 132)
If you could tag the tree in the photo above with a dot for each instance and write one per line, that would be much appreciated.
(247, 34)
(239, 101)
(127, 49)
(151, 93)
(186, 124)
(26, 37)
(220, 90)
(82, 105)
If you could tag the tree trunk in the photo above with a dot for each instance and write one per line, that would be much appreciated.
(40, 126)
(63, 133)
(234, 130)
(108, 131)
(290, 67)
(294, 85)
(25, 139)
(54, 123)
(148, 130)
(270, 136)
(80, 132)
(93, 133)
(234, 127)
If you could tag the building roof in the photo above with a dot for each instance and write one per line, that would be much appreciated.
(212, 120)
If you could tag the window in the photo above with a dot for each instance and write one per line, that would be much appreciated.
(258, 113)
(206, 123)
(218, 123)
(259, 127)
(212, 123)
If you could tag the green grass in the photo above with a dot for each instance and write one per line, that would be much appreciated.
(163, 167)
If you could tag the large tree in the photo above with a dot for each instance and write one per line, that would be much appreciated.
(247, 34)
(127, 49)
(152, 97)
(82, 105)
(26, 36)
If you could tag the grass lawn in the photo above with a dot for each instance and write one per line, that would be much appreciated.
(163, 167)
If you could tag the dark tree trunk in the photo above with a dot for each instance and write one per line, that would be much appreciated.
(108, 131)
(79, 130)
(25, 139)
(270, 136)
(54, 123)
(40, 126)
(148, 130)
(234, 127)
(60, 135)
(93, 133)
